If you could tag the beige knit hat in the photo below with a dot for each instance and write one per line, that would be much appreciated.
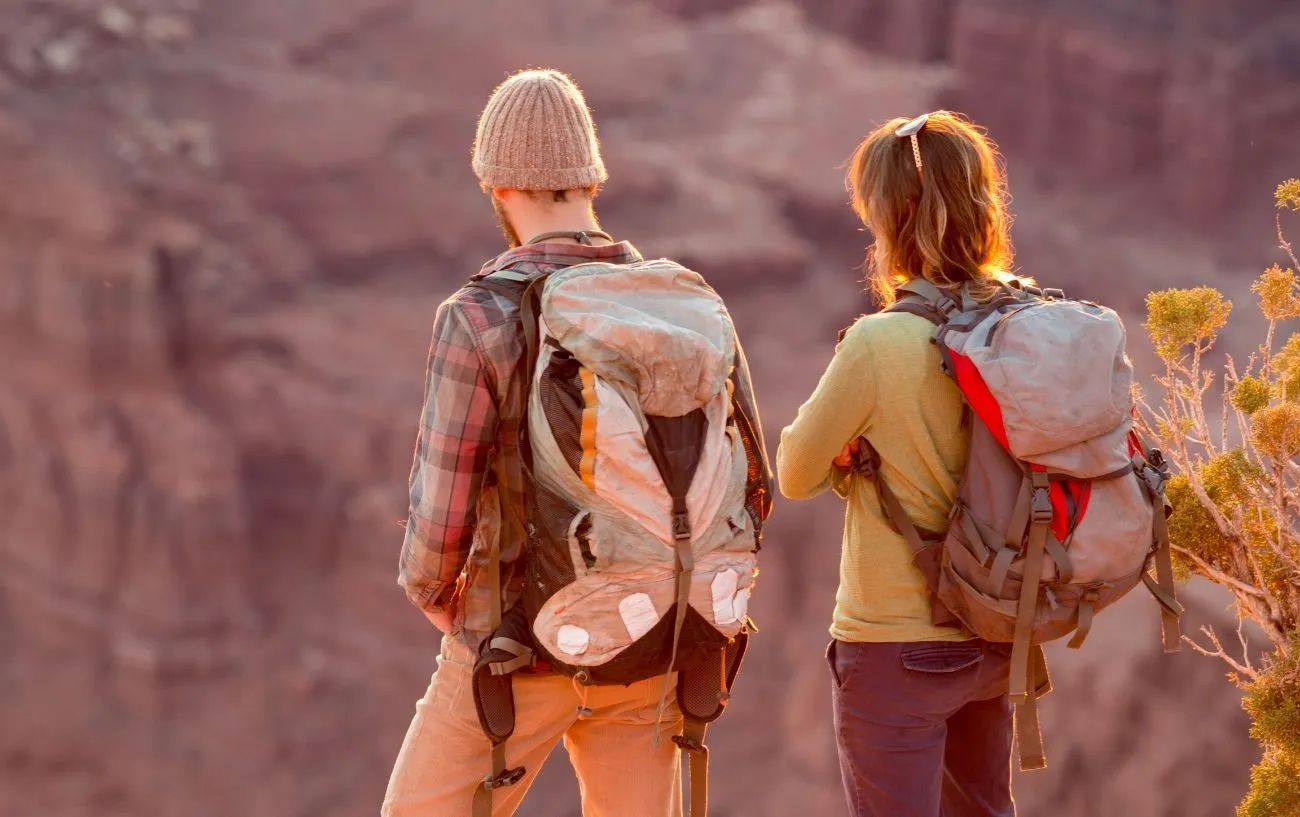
(536, 134)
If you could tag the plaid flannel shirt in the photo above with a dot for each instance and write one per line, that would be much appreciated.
(467, 481)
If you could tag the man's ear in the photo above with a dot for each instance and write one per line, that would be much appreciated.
(505, 194)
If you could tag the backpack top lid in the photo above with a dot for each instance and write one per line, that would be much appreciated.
(1047, 375)
(653, 325)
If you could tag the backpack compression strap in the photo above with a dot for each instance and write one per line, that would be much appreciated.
(1153, 472)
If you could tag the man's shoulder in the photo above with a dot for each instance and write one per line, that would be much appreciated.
(491, 301)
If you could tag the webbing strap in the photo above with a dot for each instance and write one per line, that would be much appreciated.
(1019, 517)
(684, 565)
(692, 743)
(1163, 588)
(1029, 735)
(482, 804)
(972, 531)
(528, 308)
(1087, 608)
(1028, 605)
(899, 517)
(1064, 565)
(483, 794)
(1001, 567)
(523, 655)
(926, 291)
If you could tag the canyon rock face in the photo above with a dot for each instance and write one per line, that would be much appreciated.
(224, 228)
(1190, 106)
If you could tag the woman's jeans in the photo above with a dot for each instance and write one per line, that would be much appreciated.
(924, 729)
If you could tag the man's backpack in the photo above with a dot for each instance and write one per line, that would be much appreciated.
(642, 531)
(1061, 509)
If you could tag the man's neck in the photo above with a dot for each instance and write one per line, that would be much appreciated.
(561, 222)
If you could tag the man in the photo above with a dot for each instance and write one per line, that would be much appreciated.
(537, 156)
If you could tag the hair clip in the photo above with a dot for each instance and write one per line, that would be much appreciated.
(911, 129)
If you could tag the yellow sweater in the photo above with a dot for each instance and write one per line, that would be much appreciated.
(884, 383)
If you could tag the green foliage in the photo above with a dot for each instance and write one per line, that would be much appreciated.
(1275, 431)
(1286, 369)
(1227, 478)
(1273, 702)
(1251, 394)
(1274, 788)
(1191, 527)
(1177, 318)
(1243, 529)
(1276, 289)
(1288, 194)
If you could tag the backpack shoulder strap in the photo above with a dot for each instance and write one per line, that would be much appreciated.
(525, 292)
(916, 306)
(508, 283)
(920, 297)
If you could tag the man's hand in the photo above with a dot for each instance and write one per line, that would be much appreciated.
(444, 620)
(845, 458)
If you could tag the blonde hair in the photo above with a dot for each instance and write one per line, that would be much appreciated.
(947, 221)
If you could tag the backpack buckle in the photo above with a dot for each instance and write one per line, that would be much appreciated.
(947, 305)
(681, 525)
(509, 777)
(1041, 507)
(1156, 458)
(687, 745)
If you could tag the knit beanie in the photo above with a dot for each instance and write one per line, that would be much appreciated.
(536, 134)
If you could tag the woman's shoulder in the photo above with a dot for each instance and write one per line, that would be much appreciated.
(884, 329)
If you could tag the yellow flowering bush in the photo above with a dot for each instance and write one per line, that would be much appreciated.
(1236, 495)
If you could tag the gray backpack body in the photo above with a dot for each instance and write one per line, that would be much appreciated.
(1061, 509)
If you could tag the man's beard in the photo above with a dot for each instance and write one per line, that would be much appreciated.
(503, 221)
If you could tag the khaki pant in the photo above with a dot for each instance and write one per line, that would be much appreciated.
(621, 772)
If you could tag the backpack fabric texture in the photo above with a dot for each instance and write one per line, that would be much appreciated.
(1061, 509)
(643, 530)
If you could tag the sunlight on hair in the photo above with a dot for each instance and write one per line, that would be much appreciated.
(948, 223)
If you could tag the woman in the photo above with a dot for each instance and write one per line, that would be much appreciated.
(922, 717)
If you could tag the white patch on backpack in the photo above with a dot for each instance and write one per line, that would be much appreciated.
(639, 616)
(572, 640)
(724, 597)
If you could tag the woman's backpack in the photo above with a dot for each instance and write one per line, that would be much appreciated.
(1061, 509)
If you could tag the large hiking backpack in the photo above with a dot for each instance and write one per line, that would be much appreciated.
(642, 534)
(1061, 509)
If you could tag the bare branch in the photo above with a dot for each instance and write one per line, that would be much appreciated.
(1244, 669)
(1284, 244)
(1245, 645)
(1274, 606)
(1216, 575)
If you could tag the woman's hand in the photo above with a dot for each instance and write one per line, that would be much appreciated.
(848, 453)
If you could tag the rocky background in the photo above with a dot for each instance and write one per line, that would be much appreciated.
(224, 228)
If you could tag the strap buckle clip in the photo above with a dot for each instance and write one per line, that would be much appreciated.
(687, 745)
(1041, 507)
(509, 777)
(947, 305)
(681, 525)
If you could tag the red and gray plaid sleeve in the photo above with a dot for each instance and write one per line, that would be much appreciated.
(457, 433)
